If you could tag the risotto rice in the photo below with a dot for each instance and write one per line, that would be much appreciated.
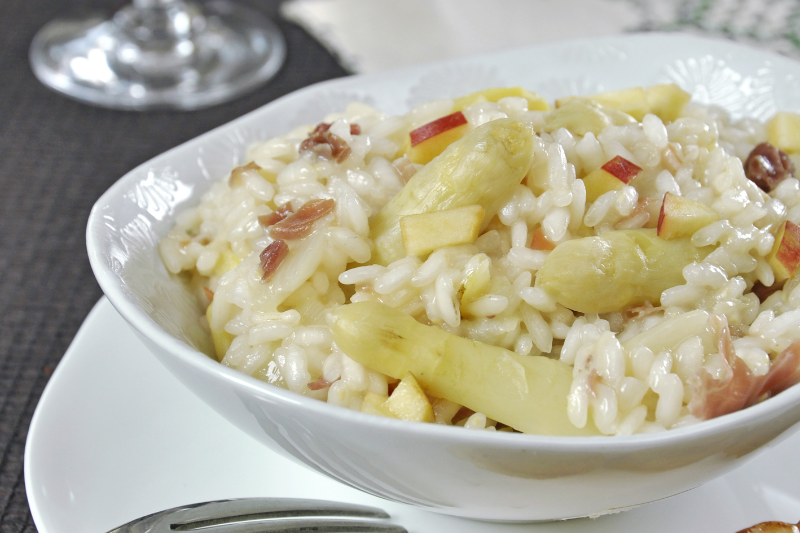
(289, 237)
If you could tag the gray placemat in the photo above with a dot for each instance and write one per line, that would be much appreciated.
(56, 158)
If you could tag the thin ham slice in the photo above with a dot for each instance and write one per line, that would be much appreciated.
(235, 178)
(276, 216)
(209, 294)
(328, 145)
(640, 311)
(738, 387)
(783, 373)
(318, 384)
(300, 224)
(272, 256)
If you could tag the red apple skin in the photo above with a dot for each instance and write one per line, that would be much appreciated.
(431, 129)
(682, 217)
(622, 169)
(661, 215)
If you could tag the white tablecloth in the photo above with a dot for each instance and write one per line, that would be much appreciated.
(375, 35)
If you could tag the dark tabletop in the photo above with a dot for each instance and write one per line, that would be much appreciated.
(56, 158)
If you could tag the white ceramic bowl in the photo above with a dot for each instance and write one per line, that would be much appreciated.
(474, 474)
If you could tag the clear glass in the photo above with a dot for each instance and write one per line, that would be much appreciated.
(167, 54)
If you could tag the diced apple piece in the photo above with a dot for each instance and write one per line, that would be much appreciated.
(227, 261)
(528, 393)
(430, 140)
(783, 131)
(667, 101)
(426, 232)
(612, 176)
(632, 101)
(540, 241)
(598, 182)
(408, 401)
(221, 338)
(477, 279)
(375, 404)
(615, 270)
(484, 167)
(582, 116)
(682, 217)
(535, 102)
(785, 255)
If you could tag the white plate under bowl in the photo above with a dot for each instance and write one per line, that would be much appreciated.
(475, 474)
(115, 436)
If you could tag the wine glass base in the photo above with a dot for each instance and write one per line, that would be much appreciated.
(99, 62)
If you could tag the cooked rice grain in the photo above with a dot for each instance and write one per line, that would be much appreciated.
(278, 331)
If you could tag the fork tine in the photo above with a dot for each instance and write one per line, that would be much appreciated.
(212, 513)
(235, 514)
(316, 525)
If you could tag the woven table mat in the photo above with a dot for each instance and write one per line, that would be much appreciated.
(56, 158)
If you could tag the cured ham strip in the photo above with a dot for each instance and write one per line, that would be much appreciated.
(276, 216)
(272, 257)
(640, 311)
(300, 224)
(738, 387)
(328, 145)
(209, 294)
(236, 174)
(783, 373)
(716, 397)
(319, 383)
(763, 292)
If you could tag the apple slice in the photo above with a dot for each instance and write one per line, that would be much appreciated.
(426, 232)
(632, 101)
(409, 402)
(783, 131)
(494, 94)
(682, 217)
(612, 176)
(785, 255)
(667, 101)
(375, 404)
(430, 140)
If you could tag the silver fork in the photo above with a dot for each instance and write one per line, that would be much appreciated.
(265, 515)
